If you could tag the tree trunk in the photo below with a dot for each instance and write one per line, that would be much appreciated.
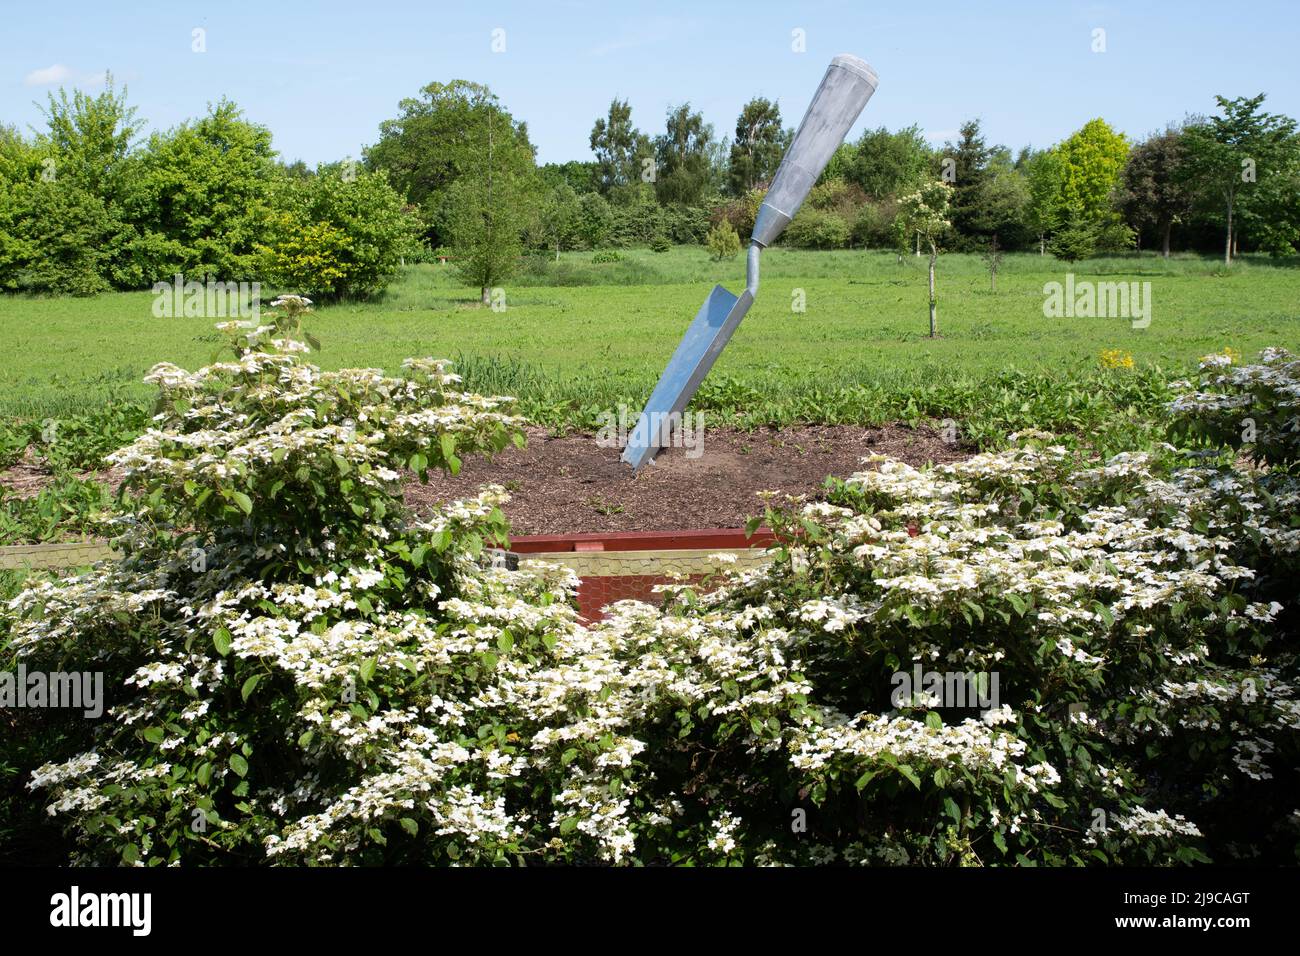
(1227, 244)
(934, 317)
(918, 243)
(1169, 227)
(1042, 244)
(487, 296)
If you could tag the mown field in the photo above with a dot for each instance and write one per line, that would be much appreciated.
(577, 338)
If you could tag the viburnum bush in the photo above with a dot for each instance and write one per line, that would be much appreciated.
(1256, 407)
(302, 672)
(1138, 618)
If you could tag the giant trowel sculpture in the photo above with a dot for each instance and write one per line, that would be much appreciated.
(844, 91)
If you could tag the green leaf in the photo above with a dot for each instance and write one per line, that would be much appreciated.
(368, 668)
(239, 765)
(910, 774)
(250, 685)
(245, 503)
(418, 462)
(950, 807)
(410, 826)
(221, 640)
(866, 778)
(154, 735)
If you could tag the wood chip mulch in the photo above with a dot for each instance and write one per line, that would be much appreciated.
(570, 484)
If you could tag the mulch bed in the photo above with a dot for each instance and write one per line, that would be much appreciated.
(572, 485)
(29, 476)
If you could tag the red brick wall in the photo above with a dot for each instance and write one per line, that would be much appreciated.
(594, 593)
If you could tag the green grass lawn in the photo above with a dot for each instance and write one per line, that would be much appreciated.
(577, 338)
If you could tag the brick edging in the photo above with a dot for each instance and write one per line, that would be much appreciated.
(61, 554)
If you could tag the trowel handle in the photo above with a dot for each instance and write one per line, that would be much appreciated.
(844, 91)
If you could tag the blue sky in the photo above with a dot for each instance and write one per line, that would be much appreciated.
(323, 75)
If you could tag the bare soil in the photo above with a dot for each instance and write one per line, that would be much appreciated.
(570, 484)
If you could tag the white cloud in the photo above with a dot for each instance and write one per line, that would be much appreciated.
(58, 73)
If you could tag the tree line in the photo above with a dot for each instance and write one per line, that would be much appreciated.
(87, 204)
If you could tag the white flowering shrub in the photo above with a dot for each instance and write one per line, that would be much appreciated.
(1256, 407)
(297, 669)
(302, 672)
(1139, 619)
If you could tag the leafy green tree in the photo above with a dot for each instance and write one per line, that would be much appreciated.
(557, 223)
(579, 176)
(92, 139)
(1228, 155)
(760, 143)
(888, 164)
(1092, 160)
(1000, 205)
(639, 218)
(1044, 210)
(682, 163)
(65, 197)
(925, 213)
(57, 238)
(595, 221)
(1154, 192)
(621, 150)
(839, 165)
(204, 196)
(297, 169)
(491, 204)
(437, 138)
(341, 233)
(1272, 215)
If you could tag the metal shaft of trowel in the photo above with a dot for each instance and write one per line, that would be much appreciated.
(844, 91)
